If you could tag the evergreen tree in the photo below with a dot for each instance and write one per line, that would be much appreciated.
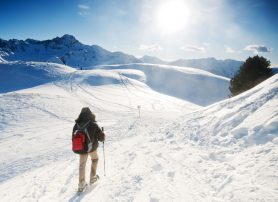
(252, 72)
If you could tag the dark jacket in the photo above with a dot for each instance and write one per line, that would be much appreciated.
(94, 131)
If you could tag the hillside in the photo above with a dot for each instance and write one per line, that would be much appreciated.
(174, 151)
(22, 75)
(226, 68)
(194, 85)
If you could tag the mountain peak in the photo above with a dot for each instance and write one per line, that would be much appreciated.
(66, 39)
(152, 59)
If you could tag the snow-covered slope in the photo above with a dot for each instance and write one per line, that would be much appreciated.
(66, 48)
(248, 119)
(239, 141)
(175, 151)
(21, 75)
(226, 68)
(194, 85)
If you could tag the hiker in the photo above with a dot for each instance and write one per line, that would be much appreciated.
(87, 122)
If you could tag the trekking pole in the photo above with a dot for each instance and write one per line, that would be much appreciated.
(103, 154)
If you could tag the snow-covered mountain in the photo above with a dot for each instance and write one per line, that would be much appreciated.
(152, 60)
(65, 49)
(175, 150)
(68, 50)
(226, 68)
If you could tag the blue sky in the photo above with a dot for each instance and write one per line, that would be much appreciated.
(168, 29)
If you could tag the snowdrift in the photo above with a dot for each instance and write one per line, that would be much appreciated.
(247, 119)
(238, 138)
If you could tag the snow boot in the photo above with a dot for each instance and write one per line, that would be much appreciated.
(94, 179)
(81, 186)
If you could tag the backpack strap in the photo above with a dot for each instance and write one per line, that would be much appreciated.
(87, 133)
(79, 127)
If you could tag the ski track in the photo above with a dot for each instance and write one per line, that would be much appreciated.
(174, 155)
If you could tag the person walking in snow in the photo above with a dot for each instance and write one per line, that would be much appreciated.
(87, 119)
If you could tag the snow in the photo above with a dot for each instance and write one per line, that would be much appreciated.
(175, 150)
(65, 49)
(191, 84)
(194, 85)
(227, 68)
(152, 60)
(68, 50)
(56, 60)
(19, 75)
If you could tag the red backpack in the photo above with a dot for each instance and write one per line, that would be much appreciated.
(81, 141)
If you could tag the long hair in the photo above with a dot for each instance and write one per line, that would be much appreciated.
(85, 115)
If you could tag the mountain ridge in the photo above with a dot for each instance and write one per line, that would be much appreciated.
(71, 52)
(67, 48)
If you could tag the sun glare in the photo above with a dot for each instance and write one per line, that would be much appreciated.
(172, 16)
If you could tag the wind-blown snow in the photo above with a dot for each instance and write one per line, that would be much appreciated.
(194, 85)
(227, 68)
(175, 150)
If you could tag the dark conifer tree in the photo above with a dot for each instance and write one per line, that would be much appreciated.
(252, 72)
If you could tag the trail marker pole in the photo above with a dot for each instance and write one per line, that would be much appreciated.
(139, 107)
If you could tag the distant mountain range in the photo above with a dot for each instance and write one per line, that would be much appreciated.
(225, 68)
(65, 49)
(152, 60)
(68, 50)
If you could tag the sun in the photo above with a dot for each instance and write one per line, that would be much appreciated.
(172, 16)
